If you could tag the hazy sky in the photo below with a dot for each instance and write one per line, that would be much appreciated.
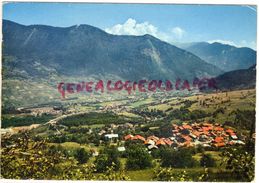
(234, 25)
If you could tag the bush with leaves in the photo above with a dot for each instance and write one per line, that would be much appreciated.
(241, 162)
(168, 174)
(106, 159)
(181, 158)
(207, 160)
(102, 163)
(112, 174)
(70, 170)
(138, 158)
(22, 158)
(82, 155)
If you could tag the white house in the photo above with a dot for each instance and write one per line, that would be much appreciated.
(111, 137)
(121, 149)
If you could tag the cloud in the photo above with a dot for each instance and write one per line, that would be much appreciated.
(175, 34)
(178, 32)
(131, 27)
(251, 44)
(223, 42)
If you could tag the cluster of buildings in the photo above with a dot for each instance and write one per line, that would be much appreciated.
(205, 134)
(190, 135)
(38, 111)
(110, 129)
(152, 142)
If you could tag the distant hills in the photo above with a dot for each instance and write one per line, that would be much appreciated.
(83, 50)
(238, 79)
(224, 56)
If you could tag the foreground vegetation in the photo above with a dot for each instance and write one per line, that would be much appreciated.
(75, 147)
(23, 158)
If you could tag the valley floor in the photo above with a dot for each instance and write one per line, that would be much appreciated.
(204, 125)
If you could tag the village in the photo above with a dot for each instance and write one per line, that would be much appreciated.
(188, 135)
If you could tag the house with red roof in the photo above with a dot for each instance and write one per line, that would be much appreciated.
(139, 137)
(187, 127)
(220, 144)
(220, 129)
(187, 138)
(128, 137)
(168, 141)
(160, 142)
(229, 131)
(149, 142)
(153, 137)
(233, 136)
(218, 139)
(196, 133)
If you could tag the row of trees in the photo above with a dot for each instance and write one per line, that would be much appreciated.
(155, 113)
(185, 114)
(25, 120)
(92, 118)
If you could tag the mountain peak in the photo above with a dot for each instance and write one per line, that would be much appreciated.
(149, 36)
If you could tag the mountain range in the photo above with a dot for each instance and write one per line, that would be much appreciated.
(37, 57)
(84, 50)
(226, 57)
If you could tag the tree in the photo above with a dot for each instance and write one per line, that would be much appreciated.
(200, 149)
(207, 160)
(138, 158)
(165, 130)
(101, 163)
(108, 158)
(181, 158)
(245, 119)
(241, 162)
(82, 155)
